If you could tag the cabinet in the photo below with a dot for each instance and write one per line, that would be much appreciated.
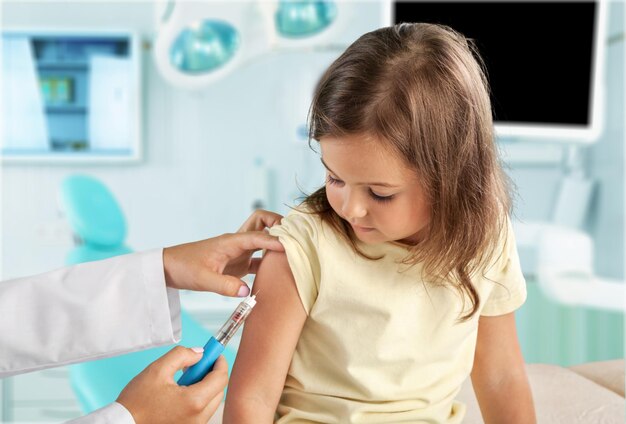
(43, 396)
(71, 96)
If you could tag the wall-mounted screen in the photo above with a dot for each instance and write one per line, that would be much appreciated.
(544, 60)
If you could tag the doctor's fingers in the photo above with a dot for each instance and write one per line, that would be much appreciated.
(176, 359)
(251, 241)
(259, 220)
(199, 410)
(212, 386)
(226, 285)
(213, 405)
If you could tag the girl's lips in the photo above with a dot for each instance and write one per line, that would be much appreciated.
(362, 229)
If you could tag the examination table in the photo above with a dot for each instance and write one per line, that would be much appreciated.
(590, 393)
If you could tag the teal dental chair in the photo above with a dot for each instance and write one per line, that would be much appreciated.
(100, 230)
(96, 220)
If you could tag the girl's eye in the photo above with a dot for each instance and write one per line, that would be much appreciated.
(380, 198)
(332, 180)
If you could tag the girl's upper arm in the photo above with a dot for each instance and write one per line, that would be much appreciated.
(269, 339)
(499, 375)
(497, 348)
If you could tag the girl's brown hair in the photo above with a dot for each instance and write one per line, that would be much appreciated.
(420, 89)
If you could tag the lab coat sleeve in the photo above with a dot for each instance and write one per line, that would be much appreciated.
(113, 413)
(88, 311)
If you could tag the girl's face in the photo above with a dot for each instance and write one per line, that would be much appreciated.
(374, 190)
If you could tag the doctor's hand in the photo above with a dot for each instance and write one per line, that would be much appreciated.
(218, 263)
(153, 397)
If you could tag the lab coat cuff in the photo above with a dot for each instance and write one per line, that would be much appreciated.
(173, 299)
(113, 413)
(164, 302)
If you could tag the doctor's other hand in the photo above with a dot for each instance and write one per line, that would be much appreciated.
(218, 263)
(154, 397)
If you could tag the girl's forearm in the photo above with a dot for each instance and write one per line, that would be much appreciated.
(508, 402)
(246, 410)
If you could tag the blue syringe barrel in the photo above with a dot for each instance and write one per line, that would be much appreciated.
(212, 350)
(215, 346)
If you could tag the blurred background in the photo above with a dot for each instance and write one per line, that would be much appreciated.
(132, 125)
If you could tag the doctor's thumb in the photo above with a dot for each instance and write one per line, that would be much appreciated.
(176, 359)
(225, 285)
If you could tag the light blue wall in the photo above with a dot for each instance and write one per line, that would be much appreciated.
(538, 184)
(605, 163)
(197, 177)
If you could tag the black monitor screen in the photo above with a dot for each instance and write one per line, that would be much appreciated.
(539, 55)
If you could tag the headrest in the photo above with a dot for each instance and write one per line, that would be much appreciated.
(92, 211)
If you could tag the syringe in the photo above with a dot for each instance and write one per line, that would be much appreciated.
(214, 347)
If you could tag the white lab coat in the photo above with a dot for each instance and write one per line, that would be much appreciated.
(85, 312)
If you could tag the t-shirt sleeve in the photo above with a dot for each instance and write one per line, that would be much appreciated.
(298, 232)
(508, 286)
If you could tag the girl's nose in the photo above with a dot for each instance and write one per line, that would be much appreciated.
(353, 207)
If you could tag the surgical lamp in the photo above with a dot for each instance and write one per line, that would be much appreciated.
(304, 18)
(199, 42)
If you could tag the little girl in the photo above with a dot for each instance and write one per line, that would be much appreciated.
(401, 275)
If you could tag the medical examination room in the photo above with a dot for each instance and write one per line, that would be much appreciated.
(129, 126)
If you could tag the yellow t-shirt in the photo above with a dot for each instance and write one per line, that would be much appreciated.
(379, 344)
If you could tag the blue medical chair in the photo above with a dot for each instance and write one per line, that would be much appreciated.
(100, 230)
(96, 220)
